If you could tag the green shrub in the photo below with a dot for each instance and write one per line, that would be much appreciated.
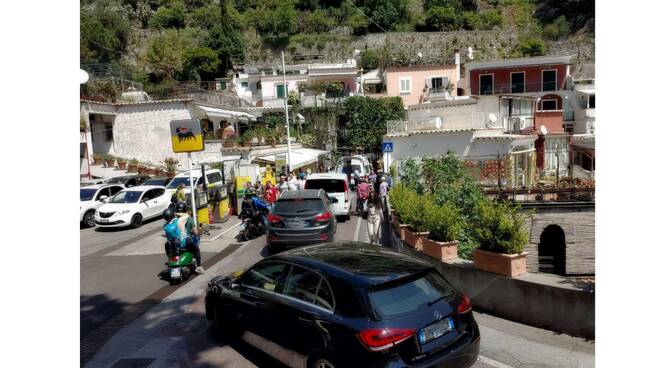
(499, 227)
(443, 222)
(359, 24)
(532, 47)
(490, 19)
(410, 208)
(319, 21)
(440, 18)
(410, 174)
(169, 17)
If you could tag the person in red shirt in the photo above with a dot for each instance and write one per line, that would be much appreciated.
(270, 195)
(362, 195)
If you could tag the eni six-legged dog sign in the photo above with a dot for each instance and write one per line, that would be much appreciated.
(187, 137)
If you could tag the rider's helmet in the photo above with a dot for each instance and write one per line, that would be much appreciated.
(181, 207)
(168, 214)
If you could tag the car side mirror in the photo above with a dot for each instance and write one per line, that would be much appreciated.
(103, 198)
(334, 200)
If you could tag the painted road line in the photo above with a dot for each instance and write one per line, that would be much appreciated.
(357, 229)
(492, 362)
(224, 232)
(126, 242)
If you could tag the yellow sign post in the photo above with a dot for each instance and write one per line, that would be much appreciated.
(187, 137)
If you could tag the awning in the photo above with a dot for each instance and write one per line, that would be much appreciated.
(225, 114)
(299, 157)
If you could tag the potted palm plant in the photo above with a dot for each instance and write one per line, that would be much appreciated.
(170, 166)
(133, 166)
(444, 224)
(142, 169)
(501, 237)
(121, 162)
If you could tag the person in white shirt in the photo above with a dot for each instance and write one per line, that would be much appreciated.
(293, 182)
(283, 185)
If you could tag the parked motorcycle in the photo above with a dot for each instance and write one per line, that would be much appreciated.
(251, 227)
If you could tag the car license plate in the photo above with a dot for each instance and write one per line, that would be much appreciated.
(104, 221)
(435, 330)
(175, 273)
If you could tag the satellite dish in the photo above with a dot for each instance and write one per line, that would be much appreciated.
(470, 50)
(544, 130)
(84, 77)
(492, 118)
(419, 54)
(438, 122)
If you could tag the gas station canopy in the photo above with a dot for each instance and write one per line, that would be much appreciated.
(299, 157)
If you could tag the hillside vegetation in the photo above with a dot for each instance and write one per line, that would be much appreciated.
(161, 41)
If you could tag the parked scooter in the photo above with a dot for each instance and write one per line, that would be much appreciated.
(251, 227)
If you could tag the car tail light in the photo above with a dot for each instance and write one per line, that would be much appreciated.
(324, 217)
(274, 219)
(378, 339)
(465, 305)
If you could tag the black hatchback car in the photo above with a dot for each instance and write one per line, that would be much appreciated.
(347, 304)
(301, 217)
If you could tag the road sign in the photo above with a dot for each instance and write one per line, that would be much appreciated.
(186, 135)
(388, 147)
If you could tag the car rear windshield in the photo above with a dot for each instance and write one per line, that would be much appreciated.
(155, 182)
(407, 298)
(176, 181)
(87, 194)
(126, 197)
(329, 185)
(305, 206)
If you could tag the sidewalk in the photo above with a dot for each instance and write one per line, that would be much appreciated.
(171, 333)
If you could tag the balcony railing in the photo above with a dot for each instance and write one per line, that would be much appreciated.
(520, 88)
(517, 124)
(475, 120)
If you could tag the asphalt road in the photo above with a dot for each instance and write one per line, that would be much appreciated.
(128, 313)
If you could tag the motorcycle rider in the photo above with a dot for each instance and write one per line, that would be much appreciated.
(256, 205)
(187, 226)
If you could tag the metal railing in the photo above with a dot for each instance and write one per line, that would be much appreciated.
(517, 124)
(475, 120)
(521, 88)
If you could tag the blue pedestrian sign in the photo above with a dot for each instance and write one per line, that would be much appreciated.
(388, 147)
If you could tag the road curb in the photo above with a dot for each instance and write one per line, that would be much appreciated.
(203, 240)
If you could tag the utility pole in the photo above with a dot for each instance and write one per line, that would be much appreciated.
(286, 116)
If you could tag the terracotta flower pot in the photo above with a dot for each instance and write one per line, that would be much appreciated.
(442, 251)
(122, 165)
(97, 160)
(141, 169)
(109, 163)
(412, 238)
(509, 265)
(132, 168)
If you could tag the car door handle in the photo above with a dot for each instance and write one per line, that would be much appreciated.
(259, 303)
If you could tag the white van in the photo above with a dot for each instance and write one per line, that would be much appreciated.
(213, 178)
(359, 163)
(336, 185)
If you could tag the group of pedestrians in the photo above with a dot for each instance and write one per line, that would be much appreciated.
(270, 192)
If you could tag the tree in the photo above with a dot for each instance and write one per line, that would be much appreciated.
(318, 21)
(490, 19)
(442, 19)
(104, 32)
(385, 13)
(200, 63)
(165, 54)
(359, 24)
(275, 21)
(367, 119)
(169, 16)
(532, 47)
(368, 59)
(205, 17)
(228, 43)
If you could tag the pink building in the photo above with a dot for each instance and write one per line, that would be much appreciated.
(416, 84)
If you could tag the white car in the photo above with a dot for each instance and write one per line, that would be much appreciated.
(336, 186)
(92, 197)
(358, 163)
(213, 178)
(133, 205)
